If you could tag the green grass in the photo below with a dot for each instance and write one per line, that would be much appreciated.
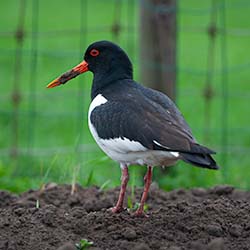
(55, 126)
(84, 244)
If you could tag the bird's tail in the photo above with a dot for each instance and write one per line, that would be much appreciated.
(201, 157)
(200, 160)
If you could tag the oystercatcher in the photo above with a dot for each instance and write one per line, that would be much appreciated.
(133, 124)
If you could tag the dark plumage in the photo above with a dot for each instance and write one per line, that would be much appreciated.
(156, 118)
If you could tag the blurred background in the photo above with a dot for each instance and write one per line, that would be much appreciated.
(196, 51)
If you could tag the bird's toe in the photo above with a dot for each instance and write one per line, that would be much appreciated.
(139, 213)
(116, 209)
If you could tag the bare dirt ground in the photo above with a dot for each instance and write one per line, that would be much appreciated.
(197, 219)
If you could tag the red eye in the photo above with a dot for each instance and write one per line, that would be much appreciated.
(94, 52)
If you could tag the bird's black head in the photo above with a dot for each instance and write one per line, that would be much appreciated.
(106, 60)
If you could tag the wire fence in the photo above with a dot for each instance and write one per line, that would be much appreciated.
(32, 116)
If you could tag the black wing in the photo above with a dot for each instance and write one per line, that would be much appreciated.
(149, 117)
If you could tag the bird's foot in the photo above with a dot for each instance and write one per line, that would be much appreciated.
(116, 209)
(140, 213)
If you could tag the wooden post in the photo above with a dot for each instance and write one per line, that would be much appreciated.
(158, 45)
(16, 96)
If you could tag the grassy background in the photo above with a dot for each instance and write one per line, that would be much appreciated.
(54, 141)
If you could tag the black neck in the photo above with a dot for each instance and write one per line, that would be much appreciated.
(103, 79)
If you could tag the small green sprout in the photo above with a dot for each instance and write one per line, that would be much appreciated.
(84, 244)
(130, 203)
(104, 185)
(136, 205)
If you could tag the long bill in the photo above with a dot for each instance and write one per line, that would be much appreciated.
(77, 70)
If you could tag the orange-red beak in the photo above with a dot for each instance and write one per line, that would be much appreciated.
(77, 70)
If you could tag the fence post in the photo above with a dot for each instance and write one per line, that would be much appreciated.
(158, 45)
(16, 96)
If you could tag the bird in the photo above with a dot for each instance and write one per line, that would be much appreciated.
(133, 124)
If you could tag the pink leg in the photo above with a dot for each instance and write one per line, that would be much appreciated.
(125, 177)
(147, 180)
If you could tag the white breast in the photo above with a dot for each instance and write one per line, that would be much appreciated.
(127, 151)
(98, 100)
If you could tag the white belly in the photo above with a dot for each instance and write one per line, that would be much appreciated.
(126, 151)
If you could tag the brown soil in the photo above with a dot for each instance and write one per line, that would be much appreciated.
(198, 219)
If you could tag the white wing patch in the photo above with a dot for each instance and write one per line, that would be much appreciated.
(175, 154)
(158, 144)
